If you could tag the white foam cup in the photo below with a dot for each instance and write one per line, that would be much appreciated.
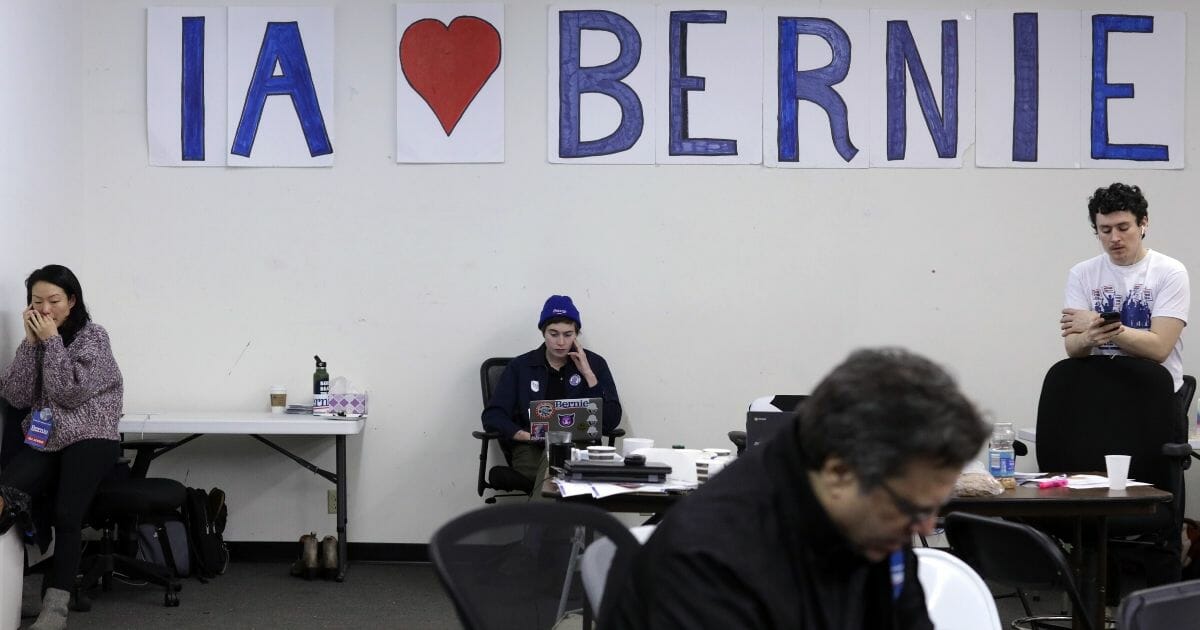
(631, 444)
(1118, 470)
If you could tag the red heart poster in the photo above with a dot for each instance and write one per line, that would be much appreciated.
(448, 65)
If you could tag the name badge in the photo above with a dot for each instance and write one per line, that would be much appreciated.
(40, 425)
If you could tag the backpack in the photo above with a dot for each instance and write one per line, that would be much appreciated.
(205, 515)
(164, 545)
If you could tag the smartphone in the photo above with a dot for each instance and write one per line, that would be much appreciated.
(1110, 316)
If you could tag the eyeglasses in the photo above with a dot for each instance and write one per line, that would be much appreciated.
(916, 514)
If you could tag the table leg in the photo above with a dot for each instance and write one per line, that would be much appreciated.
(1101, 574)
(341, 507)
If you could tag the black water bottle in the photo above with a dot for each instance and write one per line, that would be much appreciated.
(320, 387)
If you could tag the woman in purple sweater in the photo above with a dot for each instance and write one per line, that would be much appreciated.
(64, 365)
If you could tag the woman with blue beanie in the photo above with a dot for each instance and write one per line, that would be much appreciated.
(559, 368)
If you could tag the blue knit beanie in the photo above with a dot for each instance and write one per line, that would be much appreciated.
(559, 306)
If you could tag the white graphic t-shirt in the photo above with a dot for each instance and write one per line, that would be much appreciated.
(1155, 286)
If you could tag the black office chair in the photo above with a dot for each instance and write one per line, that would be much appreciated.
(125, 499)
(516, 566)
(1014, 555)
(1097, 406)
(504, 478)
(1167, 606)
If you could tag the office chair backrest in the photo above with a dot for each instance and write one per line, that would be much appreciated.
(1168, 606)
(489, 375)
(513, 566)
(597, 561)
(955, 595)
(1099, 406)
(1011, 554)
(1187, 393)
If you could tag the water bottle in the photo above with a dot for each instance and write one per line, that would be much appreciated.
(1002, 461)
(320, 388)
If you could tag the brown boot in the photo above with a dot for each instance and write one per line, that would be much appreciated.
(329, 557)
(306, 565)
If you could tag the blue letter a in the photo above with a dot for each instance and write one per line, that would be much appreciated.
(282, 45)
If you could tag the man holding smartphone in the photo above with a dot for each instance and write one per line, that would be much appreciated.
(1129, 300)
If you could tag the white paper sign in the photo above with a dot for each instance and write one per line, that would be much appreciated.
(1138, 69)
(815, 96)
(1027, 113)
(602, 110)
(709, 81)
(280, 86)
(449, 82)
(922, 59)
(185, 86)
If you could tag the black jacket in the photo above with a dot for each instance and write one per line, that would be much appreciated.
(753, 548)
(508, 410)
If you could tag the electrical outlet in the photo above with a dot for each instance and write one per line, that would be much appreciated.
(331, 501)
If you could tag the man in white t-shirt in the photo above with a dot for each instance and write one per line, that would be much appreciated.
(1149, 290)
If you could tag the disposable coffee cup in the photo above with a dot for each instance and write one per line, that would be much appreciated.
(1118, 470)
(278, 399)
(630, 444)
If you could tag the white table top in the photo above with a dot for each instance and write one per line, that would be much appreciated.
(238, 422)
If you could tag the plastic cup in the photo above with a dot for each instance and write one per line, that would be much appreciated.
(631, 444)
(278, 399)
(1118, 471)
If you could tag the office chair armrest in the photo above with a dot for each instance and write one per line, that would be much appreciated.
(613, 435)
(739, 440)
(1019, 448)
(1177, 450)
(485, 438)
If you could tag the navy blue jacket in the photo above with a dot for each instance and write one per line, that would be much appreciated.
(508, 410)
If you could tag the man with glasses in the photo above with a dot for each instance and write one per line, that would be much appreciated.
(814, 528)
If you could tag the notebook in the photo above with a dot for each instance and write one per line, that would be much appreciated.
(581, 416)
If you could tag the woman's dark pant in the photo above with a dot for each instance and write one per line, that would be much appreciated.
(71, 477)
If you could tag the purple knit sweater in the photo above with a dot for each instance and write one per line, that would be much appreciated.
(81, 385)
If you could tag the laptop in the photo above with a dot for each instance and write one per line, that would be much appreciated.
(763, 425)
(581, 416)
(612, 472)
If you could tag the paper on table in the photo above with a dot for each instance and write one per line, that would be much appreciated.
(1079, 482)
(572, 488)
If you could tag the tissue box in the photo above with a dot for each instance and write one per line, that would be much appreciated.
(348, 405)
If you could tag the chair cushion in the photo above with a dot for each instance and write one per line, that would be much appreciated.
(138, 496)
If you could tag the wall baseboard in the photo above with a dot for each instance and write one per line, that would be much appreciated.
(268, 551)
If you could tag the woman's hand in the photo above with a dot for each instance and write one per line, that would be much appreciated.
(26, 316)
(43, 326)
(579, 357)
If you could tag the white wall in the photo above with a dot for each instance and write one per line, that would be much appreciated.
(41, 163)
(703, 286)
